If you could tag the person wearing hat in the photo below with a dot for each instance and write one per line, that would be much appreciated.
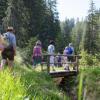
(9, 50)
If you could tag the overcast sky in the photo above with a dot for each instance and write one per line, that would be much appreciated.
(74, 8)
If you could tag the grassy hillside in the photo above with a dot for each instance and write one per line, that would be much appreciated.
(89, 84)
(24, 83)
(27, 84)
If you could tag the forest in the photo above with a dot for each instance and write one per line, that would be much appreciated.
(39, 20)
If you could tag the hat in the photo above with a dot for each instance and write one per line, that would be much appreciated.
(70, 44)
(38, 42)
(10, 28)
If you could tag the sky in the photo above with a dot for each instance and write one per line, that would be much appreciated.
(74, 8)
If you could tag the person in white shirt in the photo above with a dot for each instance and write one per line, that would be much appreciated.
(51, 50)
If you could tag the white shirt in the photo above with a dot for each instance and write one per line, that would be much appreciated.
(51, 49)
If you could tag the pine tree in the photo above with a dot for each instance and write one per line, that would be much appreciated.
(66, 28)
(17, 16)
(51, 26)
(3, 7)
(91, 36)
(77, 33)
(32, 18)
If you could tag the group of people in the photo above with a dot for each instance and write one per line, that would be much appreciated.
(54, 60)
(8, 51)
(8, 47)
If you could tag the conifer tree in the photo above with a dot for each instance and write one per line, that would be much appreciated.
(3, 7)
(91, 36)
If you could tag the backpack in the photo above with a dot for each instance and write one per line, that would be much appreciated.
(6, 40)
(69, 50)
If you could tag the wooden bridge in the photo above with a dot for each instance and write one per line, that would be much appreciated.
(62, 73)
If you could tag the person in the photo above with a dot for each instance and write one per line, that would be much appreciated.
(59, 60)
(9, 50)
(70, 51)
(65, 59)
(51, 50)
(37, 54)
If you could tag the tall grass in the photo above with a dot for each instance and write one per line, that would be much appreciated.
(24, 83)
(39, 86)
(80, 87)
(91, 88)
(11, 88)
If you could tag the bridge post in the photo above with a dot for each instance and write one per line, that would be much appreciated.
(41, 66)
(48, 63)
(77, 63)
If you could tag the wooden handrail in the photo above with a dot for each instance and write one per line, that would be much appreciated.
(64, 63)
(60, 55)
(75, 63)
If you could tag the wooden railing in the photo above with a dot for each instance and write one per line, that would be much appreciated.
(75, 63)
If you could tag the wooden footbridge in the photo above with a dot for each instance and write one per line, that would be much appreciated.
(62, 73)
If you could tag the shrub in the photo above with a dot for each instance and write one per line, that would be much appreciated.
(27, 52)
(88, 59)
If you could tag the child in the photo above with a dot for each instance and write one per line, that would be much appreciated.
(65, 60)
(59, 60)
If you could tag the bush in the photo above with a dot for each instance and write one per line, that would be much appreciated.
(88, 59)
(27, 52)
(91, 83)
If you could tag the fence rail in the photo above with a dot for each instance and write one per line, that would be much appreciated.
(75, 62)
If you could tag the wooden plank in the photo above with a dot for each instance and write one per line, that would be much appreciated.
(48, 65)
(64, 63)
(75, 63)
(63, 73)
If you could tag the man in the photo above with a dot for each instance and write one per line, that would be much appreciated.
(70, 52)
(9, 50)
(51, 50)
(71, 57)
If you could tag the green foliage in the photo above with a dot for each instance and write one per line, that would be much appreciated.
(24, 83)
(91, 83)
(88, 59)
(32, 18)
(91, 38)
(3, 7)
(11, 87)
(38, 85)
(28, 50)
(60, 43)
(77, 32)
(80, 87)
(17, 15)
(66, 29)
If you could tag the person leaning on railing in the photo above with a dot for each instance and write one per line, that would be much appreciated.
(51, 51)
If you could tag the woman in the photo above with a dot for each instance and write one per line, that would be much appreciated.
(37, 54)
